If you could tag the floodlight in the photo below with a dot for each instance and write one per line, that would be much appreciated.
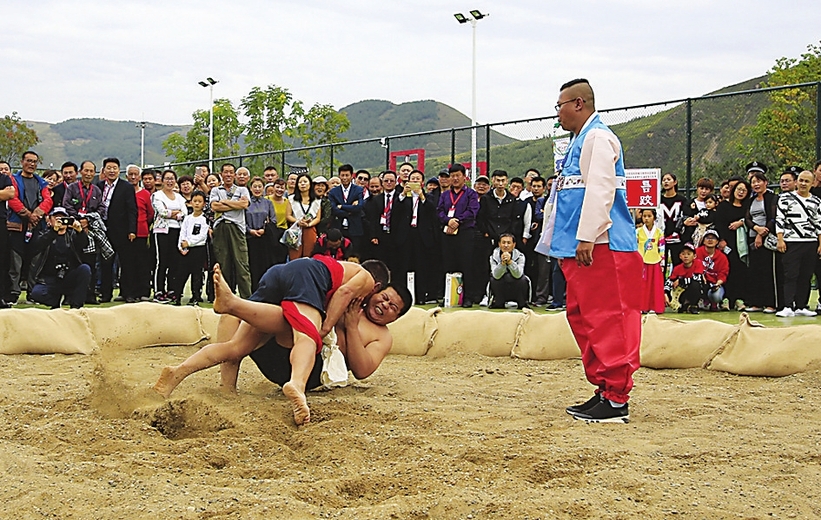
(460, 18)
(477, 15)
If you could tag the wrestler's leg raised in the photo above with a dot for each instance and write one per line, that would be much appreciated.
(243, 342)
(262, 316)
(303, 356)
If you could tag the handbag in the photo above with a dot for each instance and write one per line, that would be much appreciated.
(292, 237)
(771, 242)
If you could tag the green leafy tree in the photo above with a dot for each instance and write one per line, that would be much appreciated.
(785, 132)
(15, 139)
(194, 145)
(322, 125)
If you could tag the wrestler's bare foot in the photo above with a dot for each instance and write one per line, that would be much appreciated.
(302, 414)
(168, 381)
(223, 297)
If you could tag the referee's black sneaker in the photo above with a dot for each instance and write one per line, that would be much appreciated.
(604, 412)
(581, 408)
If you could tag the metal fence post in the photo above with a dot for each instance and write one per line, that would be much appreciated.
(487, 148)
(689, 133)
(331, 165)
(818, 121)
(282, 168)
(452, 146)
(387, 153)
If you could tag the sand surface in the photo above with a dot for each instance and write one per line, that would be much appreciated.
(464, 436)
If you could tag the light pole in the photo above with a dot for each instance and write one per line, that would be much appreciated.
(141, 126)
(475, 16)
(210, 82)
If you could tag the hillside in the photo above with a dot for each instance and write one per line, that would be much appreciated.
(94, 139)
(377, 118)
(651, 138)
(658, 140)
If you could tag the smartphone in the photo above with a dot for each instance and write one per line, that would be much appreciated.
(414, 186)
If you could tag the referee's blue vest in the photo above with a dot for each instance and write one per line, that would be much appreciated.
(569, 198)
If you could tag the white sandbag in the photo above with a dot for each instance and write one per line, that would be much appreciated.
(545, 336)
(484, 332)
(672, 343)
(140, 325)
(39, 331)
(413, 333)
(759, 351)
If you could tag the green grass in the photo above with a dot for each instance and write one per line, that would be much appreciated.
(730, 317)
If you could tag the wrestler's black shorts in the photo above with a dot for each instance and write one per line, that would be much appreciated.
(302, 280)
(274, 362)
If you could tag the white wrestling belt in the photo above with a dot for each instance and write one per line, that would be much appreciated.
(334, 370)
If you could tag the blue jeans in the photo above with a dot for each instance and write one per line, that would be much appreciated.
(74, 286)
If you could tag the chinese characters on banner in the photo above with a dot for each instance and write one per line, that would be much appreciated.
(643, 187)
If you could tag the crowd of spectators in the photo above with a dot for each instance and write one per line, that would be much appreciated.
(148, 232)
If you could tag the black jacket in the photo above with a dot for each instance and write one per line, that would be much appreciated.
(44, 243)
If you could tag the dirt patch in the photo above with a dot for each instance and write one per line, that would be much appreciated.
(464, 436)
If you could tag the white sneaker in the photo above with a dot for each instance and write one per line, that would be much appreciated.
(484, 302)
(786, 312)
(806, 312)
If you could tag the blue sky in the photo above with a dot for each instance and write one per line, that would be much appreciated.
(142, 60)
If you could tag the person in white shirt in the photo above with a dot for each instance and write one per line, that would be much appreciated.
(507, 280)
(169, 210)
(192, 247)
(798, 225)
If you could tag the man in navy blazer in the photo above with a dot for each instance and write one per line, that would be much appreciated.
(120, 203)
(347, 206)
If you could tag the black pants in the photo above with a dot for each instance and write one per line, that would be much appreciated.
(509, 289)
(143, 265)
(74, 285)
(761, 290)
(260, 257)
(691, 295)
(167, 261)
(418, 258)
(126, 256)
(799, 263)
(457, 256)
(190, 265)
(5, 256)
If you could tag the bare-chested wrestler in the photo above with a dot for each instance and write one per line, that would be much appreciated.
(283, 340)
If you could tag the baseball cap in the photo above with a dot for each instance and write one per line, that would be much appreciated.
(58, 211)
(690, 246)
(711, 233)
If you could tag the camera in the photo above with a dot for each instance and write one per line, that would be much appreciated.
(61, 270)
(67, 221)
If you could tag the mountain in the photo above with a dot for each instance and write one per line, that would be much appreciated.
(651, 137)
(94, 139)
(378, 118)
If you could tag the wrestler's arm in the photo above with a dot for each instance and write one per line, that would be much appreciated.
(359, 286)
(363, 359)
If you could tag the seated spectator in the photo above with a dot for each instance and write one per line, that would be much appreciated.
(507, 280)
(688, 275)
(59, 270)
(716, 270)
(336, 246)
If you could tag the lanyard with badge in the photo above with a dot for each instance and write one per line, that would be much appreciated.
(453, 203)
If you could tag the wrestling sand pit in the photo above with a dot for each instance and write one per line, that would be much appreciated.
(444, 435)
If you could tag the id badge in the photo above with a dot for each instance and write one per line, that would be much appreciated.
(383, 220)
(452, 212)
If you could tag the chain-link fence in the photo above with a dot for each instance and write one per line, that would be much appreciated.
(712, 136)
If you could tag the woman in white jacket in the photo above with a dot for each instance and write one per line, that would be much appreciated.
(169, 210)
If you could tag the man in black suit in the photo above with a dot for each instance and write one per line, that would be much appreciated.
(386, 236)
(420, 246)
(120, 208)
(347, 206)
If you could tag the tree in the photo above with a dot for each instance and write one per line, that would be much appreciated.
(322, 125)
(194, 145)
(785, 132)
(15, 138)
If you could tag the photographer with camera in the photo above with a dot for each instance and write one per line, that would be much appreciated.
(59, 270)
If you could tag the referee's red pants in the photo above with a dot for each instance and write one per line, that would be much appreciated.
(603, 309)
